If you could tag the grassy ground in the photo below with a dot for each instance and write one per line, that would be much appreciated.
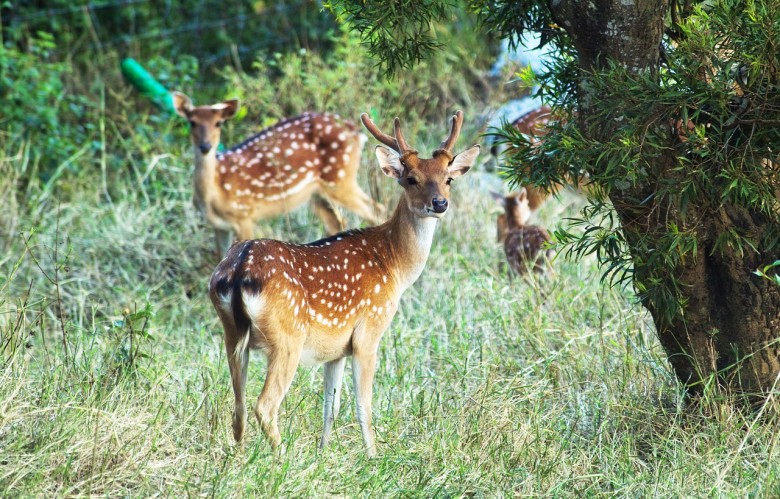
(114, 380)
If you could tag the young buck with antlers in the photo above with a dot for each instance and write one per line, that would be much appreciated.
(318, 303)
(274, 171)
(524, 245)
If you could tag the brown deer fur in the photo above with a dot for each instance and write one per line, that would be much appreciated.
(524, 245)
(318, 303)
(274, 171)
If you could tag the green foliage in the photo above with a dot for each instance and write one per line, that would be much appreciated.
(36, 104)
(128, 342)
(511, 18)
(400, 36)
(766, 272)
(215, 32)
(347, 82)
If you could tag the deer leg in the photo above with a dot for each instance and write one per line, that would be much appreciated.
(363, 365)
(239, 362)
(237, 351)
(245, 230)
(282, 364)
(224, 241)
(328, 213)
(333, 372)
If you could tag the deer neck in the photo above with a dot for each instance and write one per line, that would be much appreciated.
(410, 238)
(205, 178)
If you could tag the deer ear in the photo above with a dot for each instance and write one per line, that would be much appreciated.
(500, 199)
(182, 104)
(227, 109)
(522, 194)
(390, 162)
(463, 161)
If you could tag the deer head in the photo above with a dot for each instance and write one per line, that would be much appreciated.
(205, 121)
(516, 207)
(426, 182)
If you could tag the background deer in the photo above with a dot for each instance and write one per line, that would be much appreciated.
(274, 171)
(533, 123)
(524, 245)
(321, 302)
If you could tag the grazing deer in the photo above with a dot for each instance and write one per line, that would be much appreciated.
(524, 245)
(318, 303)
(274, 171)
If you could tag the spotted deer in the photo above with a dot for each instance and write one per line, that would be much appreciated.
(524, 245)
(274, 171)
(533, 123)
(318, 303)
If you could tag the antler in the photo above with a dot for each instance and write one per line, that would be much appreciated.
(378, 134)
(398, 143)
(399, 137)
(457, 122)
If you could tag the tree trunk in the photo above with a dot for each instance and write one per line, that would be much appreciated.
(731, 317)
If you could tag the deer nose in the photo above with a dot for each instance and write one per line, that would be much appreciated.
(439, 204)
(204, 147)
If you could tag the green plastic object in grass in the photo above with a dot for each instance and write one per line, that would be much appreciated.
(147, 85)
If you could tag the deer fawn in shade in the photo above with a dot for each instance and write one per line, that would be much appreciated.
(318, 303)
(533, 123)
(274, 171)
(524, 245)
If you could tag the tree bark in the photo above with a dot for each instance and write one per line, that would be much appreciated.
(731, 317)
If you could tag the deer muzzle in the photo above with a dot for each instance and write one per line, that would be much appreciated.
(439, 204)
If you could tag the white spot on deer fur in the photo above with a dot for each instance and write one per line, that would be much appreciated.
(227, 186)
(332, 159)
(288, 152)
(377, 288)
(342, 174)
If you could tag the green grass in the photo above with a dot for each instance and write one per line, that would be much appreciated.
(113, 379)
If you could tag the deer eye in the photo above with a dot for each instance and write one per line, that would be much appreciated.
(219, 124)
(411, 181)
(449, 181)
(192, 124)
